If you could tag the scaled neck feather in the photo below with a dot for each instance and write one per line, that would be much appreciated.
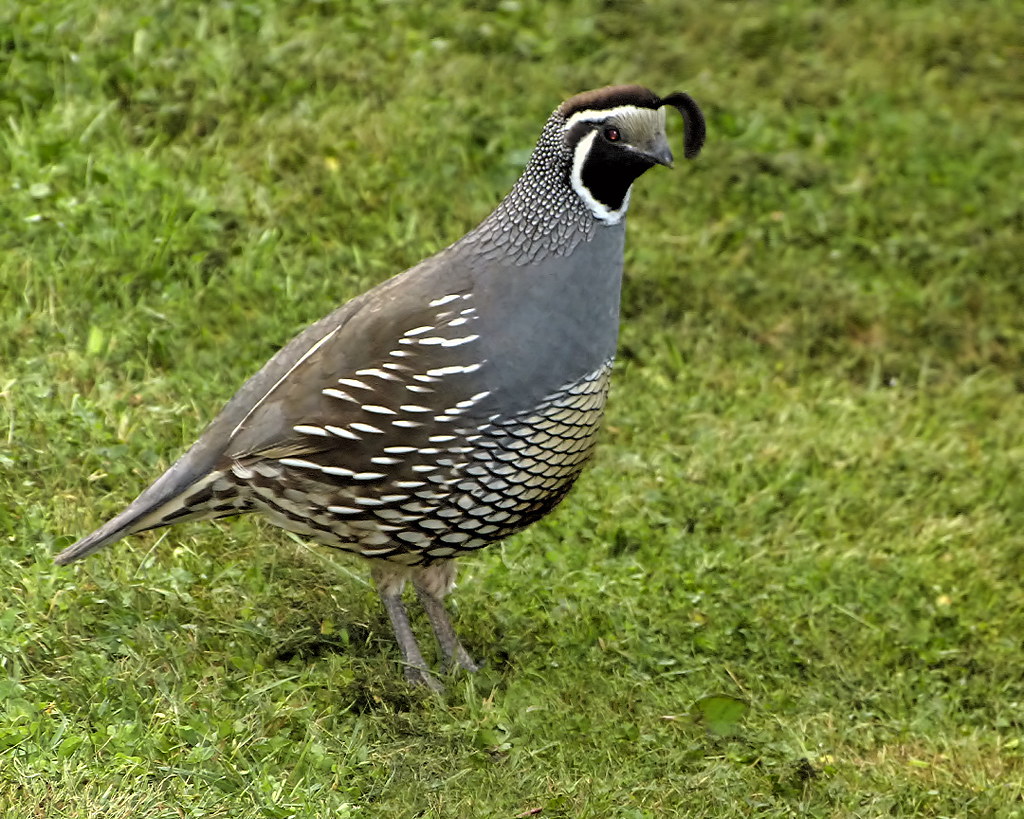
(542, 215)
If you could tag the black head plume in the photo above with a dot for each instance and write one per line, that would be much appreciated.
(694, 129)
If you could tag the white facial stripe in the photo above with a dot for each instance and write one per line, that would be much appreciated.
(602, 114)
(601, 212)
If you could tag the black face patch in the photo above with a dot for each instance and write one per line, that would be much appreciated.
(609, 170)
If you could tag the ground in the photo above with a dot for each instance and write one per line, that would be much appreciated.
(790, 584)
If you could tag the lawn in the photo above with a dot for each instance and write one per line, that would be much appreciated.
(789, 584)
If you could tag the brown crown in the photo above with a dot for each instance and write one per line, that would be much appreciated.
(611, 96)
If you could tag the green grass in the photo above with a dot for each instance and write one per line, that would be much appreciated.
(809, 493)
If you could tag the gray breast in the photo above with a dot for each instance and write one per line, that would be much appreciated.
(554, 321)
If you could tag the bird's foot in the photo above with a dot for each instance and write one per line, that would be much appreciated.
(420, 676)
(460, 658)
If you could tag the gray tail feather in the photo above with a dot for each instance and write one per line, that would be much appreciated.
(110, 532)
(163, 503)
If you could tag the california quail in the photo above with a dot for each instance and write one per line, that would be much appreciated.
(451, 405)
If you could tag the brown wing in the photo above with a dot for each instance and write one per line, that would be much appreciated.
(384, 378)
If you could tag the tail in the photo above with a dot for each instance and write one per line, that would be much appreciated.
(173, 498)
(200, 484)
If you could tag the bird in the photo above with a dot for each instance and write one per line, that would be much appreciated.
(453, 404)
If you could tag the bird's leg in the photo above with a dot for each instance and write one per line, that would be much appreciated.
(390, 581)
(453, 651)
(432, 583)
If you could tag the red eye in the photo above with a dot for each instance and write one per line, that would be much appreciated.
(612, 134)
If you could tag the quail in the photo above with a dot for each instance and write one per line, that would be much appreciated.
(451, 405)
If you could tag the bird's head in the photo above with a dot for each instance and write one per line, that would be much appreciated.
(614, 134)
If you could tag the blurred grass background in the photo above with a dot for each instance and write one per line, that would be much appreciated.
(808, 496)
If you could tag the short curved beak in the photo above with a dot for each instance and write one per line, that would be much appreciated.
(659, 152)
